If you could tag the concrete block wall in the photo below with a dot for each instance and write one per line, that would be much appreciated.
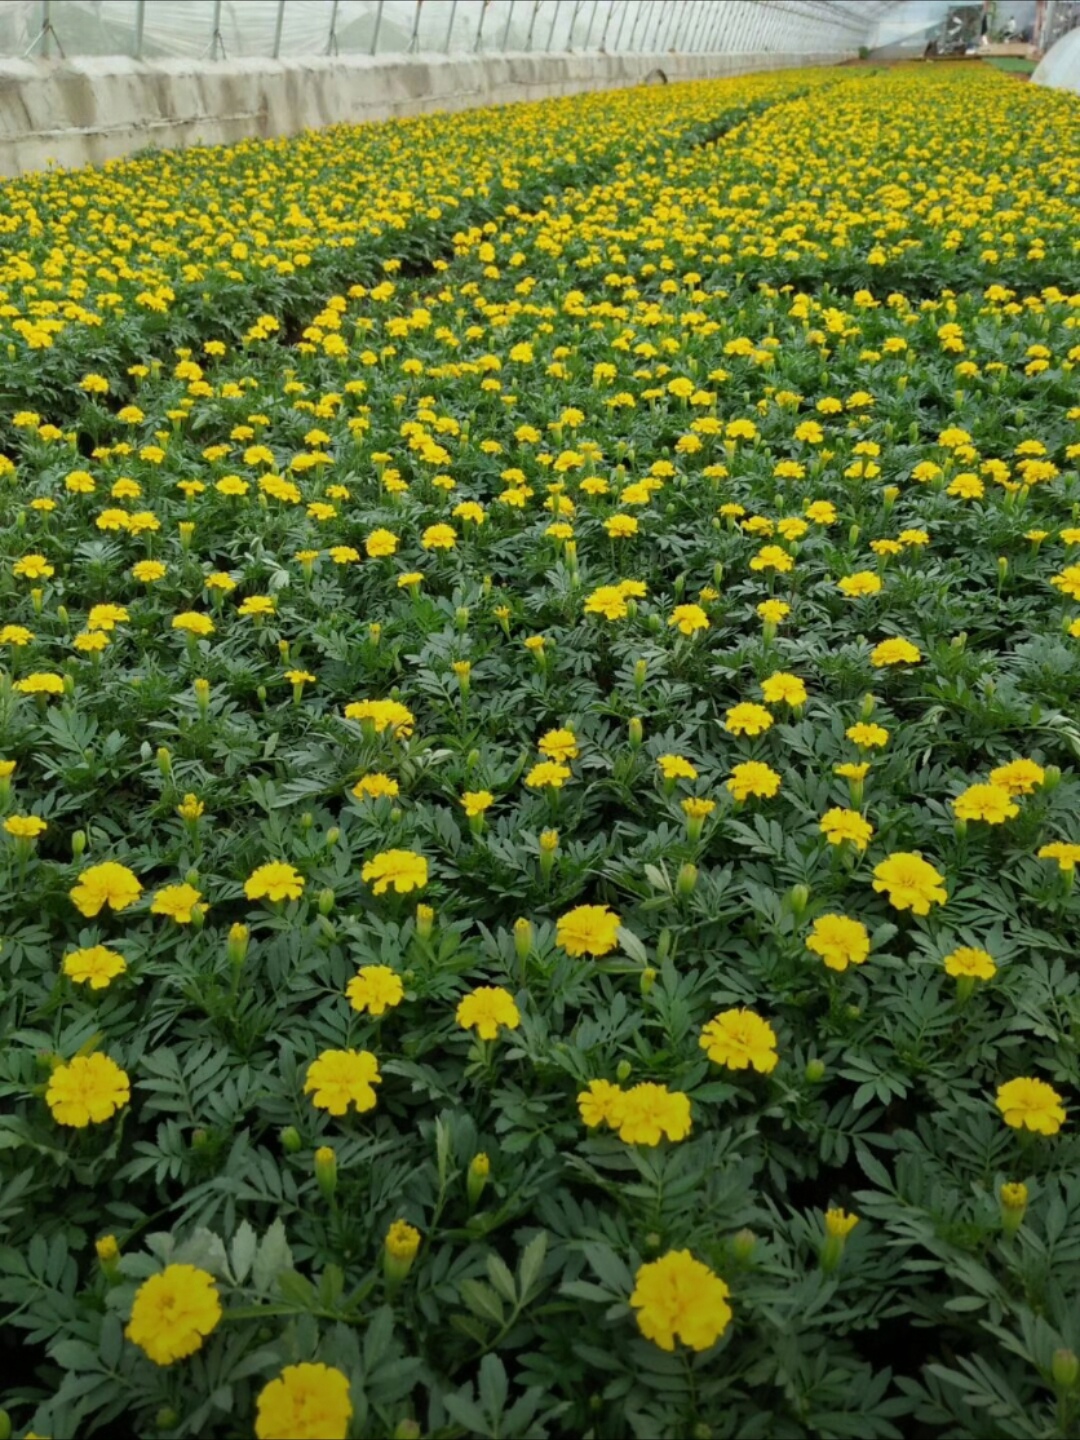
(88, 110)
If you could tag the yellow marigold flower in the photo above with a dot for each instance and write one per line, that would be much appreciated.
(221, 580)
(41, 682)
(848, 771)
(621, 527)
(753, 778)
(148, 572)
(679, 1298)
(173, 1313)
(970, 962)
(487, 1008)
(772, 557)
(910, 882)
(337, 1079)
(676, 767)
(991, 803)
(1028, 1104)
(821, 512)
(194, 623)
(697, 809)
(783, 689)
(25, 827)
(547, 774)
(773, 611)
(88, 1090)
(689, 619)
(651, 1112)
(178, 902)
(343, 554)
(16, 635)
(747, 719)
(257, 605)
(276, 880)
(403, 869)
(867, 737)
(588, 930)
(91, 642)
(375, 786)
(559, 745)
(608, 601)
(33, 567)
(895, 651)
(740, 1039)
(839, 941)
(1018, 777)
(839, 1224)
(838, 825)
(402, 1240)
(383, 715)
(305, 1402)
(1066, 854)
(862, 582)
(109, 884)
(96, 966)
(476, 802)
(375, 989)
(439, 537)
(106, 617)
(601, 1104)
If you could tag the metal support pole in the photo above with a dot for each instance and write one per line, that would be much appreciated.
(578, 5)
(607, 24)
(622, 27)
(140, 27)
(680, 28)
(414, 38)
(592, 17)
(216, 41)
(331, 39)
(378, 27)
(506, 32)
(699, 31)
(671, 13)
(554, 22)
(450, 27)
(46, 27)
(532, 24)
(639, 10)
(480, 25)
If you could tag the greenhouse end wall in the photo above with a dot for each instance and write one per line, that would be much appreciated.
(89, 110)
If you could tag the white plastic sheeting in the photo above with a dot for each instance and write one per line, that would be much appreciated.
(238, 29)
(1060, 66)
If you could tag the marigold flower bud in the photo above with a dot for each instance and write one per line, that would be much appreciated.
(326, 901)
(290, 1140)
(743, 1244)
(283, 649)
(164, 761)
(199, 1139)
(461, 617)
(718, 574)
(640, 670)
(636, 733)
(239, 938)
(798, 899)
(815, 1071)
(425, 919)
(37, 595)
(326, 1171)
(333, 835)
(307, 820)
(374, 632)
(623, 1071)
(1051, 777)
(523, 938)
(167, 1418)
(62, 614)
(399, 1251)
(108, 1254)
(648, 979)
(407, 1429)
(1014, 1200)
(1065, 1369)
(477, 1178)
(78, 844)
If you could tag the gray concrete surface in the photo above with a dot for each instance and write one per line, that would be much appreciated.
(88, 110)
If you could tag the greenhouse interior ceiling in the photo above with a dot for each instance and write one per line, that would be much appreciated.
(238, 29)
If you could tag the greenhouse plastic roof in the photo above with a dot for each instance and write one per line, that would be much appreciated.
(236, 29)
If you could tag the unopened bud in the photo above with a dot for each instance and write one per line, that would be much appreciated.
(461, 617)
(1014, 1200)
(1051, 777)
(523, 939)
(326, 1171)
(640, 669)
(290, 1140)
(237, 948)
(743, 1244)
(78, 844)
(333, 835)
(866, 709)
(199, 1139)
(853, 535)
(1002, 566)
(815, 1071)
(623, 1071)
(477, 1178)
(648, 979)
(798, 899)
(326, 901)
(636, 730)
(425, 919)
(164, 762)
(1065, 1369)
(407, 1429)
(166, 1418)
